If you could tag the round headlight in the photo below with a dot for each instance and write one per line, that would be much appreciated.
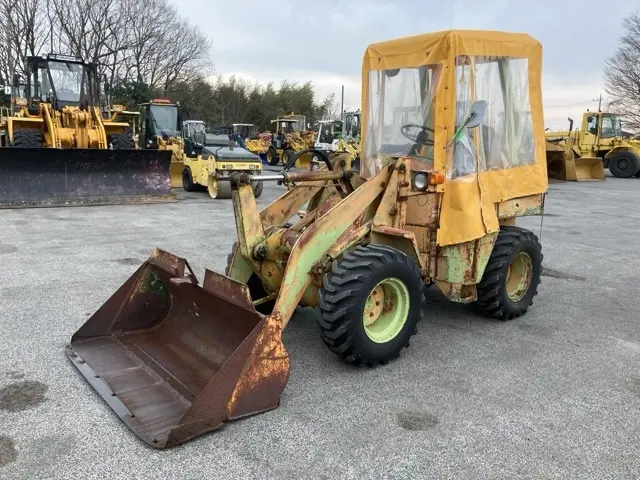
(420, 181)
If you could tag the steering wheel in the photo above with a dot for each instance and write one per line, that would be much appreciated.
(422, 138)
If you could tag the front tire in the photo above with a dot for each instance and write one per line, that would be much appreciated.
(512, 275)
(272, 156)
(122, 141)
(187, 180)
(624, 165)
(370, 304)
(27, 138)
(257, 189)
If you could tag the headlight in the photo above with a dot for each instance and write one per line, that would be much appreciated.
(420, 181)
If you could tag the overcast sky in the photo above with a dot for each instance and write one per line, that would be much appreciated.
(324, 40)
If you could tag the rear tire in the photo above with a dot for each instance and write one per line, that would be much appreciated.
(122, 141)
(512, 275)
(27, 138)
(187, 180)
(624, 165)
(370, 304)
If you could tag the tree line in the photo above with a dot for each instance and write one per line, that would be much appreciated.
(146, 49)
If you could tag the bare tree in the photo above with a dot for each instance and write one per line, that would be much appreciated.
(622, 75)
(25, 28)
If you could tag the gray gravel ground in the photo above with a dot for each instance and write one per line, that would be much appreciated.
(555, 394)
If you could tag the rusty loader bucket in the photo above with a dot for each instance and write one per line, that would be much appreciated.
(49, 177)
(175, 359)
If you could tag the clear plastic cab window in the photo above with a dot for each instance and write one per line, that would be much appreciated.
(401, 116)
(504, 139)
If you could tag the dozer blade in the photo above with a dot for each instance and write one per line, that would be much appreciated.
(175, 359)
(585, 169)
(49, 177)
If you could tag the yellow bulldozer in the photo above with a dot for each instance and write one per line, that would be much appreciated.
(58, 149)
(431, 205)
(584, 153)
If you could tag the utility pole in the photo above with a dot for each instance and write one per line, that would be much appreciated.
(599, 103)
(342, 105)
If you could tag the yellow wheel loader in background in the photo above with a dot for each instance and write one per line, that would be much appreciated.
(587, 151)
(58, 150)
(338, 137)
(431, 204)
(211, 158)
(160, 126)
(289, 137)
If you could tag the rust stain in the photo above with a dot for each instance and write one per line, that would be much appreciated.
(265, 373)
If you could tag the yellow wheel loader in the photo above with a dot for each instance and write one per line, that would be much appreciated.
(160, 126)
(338, 137)
(432, 204)
(210, 159)
(289, 138)
(600, 143)
(59, 150)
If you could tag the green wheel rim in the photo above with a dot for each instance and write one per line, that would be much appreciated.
(519, 277)
(386, 310)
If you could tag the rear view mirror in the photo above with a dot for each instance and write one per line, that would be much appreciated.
(478, 110)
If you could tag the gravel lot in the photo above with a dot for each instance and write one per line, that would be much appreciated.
(555, 394)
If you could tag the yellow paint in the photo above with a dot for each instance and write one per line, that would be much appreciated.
(468, 205)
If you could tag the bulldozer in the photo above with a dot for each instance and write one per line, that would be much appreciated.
(210, 158)
(600, 143)
(57, 149)
(160, 126)
(430, 205)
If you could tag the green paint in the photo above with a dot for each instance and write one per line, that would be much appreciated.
(386, 310)
(151, 282)
(456, 262)
(319, 238)
(240, 269)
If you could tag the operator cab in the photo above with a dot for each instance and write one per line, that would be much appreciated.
(490, 94)
(194, 134)
(159, 118)
(61, 80)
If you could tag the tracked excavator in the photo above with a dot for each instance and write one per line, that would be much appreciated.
(431, 205)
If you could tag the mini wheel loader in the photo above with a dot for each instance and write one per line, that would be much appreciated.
(433, 203)
(210, 159)
(59, 150)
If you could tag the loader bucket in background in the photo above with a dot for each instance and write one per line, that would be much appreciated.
(48, 177)
(175, 359)
(556, 168)
(176, 174)
(585, 169)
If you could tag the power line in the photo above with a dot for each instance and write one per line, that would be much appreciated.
(570, 104)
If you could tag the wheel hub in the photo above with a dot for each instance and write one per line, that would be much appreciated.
(623, 164)
(519, 276)
(386, 310)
